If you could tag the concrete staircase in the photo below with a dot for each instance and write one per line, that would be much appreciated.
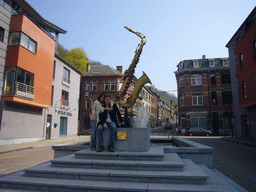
(88, 170)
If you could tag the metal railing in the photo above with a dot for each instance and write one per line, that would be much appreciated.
(25, 88)
(65, 102)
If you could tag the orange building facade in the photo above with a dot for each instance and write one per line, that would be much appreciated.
(29, 45)
(30, 62)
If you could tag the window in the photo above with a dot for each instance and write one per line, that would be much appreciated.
(198, 120)
(66, 75)
(106, 86)
(214, 97)
(10, 81)
(181, 81)
(64, 98)
(14, 38)
(241, 58)
(87, 105)
(244, 89)
(1, 34)
(19, 38)
(211, 63)
(195, 64)
(181, 65)
(52, 95)
(197, 100)
(225, 63)
(54, 68)
(88, 86)
(213, 79)
(227, 97)
(94, 86)
(181, 98)
(225, 79)
(112, 86)
(196, 80)
(19, 82)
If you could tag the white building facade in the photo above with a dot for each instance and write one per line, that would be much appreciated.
(62, 118)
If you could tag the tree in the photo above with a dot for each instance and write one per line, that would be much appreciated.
(165, 96)
(61, 51)
(95, 62)
(77, 57)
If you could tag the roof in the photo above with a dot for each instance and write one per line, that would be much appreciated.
(203, 64)
(244, 26)
(38, 18)
(102, 70)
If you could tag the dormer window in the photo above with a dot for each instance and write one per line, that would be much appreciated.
(181, 65)
(225, 63)
(211, 63)
(195, 64)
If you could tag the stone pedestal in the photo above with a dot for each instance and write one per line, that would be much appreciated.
(138, 140)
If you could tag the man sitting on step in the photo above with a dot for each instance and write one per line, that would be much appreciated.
(108, 120)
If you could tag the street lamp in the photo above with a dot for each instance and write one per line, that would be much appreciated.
(171, 110)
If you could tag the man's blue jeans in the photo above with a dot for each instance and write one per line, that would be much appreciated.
(112, 127)
(93, 134)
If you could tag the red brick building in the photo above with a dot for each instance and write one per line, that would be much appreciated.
(105, 79)
(204, 94)
(244, 42)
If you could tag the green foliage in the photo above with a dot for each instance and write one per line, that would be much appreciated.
(94, 62)
(165, 96)
(77, 57)
(62, 51)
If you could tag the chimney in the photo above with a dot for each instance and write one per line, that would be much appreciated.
(203, 57)
(119, 68)
(88, 67)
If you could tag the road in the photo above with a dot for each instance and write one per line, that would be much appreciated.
(19, 160)
(236, 161)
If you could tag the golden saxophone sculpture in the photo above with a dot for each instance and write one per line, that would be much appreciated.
(129, 74)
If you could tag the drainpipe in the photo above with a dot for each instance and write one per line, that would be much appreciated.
(209, 99)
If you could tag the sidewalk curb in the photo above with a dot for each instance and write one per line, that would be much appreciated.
(239, 141)
(16, 149)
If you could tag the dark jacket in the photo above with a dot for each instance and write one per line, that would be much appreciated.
(113, 115)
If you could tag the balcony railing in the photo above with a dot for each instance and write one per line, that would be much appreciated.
(64, 104)
(25, 91)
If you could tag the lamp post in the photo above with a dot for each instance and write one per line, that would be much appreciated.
(176, 115)
(171, 111)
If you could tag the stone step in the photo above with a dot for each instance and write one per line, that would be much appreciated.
(191, 174)
(19, 181)
(171, 162)
(153, 154)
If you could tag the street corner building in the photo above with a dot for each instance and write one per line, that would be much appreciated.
(242, 59)
(28, 65)
(204, 94)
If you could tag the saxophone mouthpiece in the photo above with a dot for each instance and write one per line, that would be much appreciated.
(129, 29)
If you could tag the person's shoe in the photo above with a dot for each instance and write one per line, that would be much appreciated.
(101, 148)
(111, 148)
(93, 148)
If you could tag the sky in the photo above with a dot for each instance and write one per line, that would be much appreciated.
(176, 30)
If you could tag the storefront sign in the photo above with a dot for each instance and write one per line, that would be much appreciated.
(64, 113)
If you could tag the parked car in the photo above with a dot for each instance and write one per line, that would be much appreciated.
(198, 131)
(168, 126)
